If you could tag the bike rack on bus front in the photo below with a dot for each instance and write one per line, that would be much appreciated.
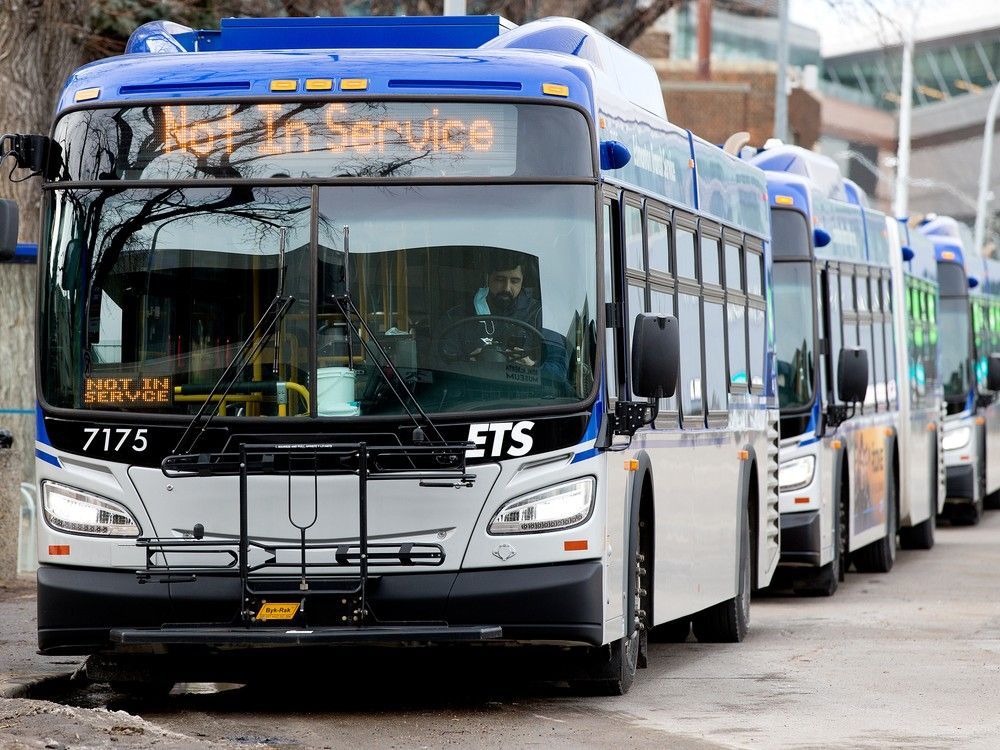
(432, 465)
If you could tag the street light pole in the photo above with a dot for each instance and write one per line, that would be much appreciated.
(901, 199)
(780, 80)
(984, 171)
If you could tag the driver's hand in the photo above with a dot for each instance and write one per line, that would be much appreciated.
(518, 355)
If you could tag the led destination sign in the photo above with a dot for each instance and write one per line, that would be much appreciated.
(337, 128)
(127, 391)
(323, 139)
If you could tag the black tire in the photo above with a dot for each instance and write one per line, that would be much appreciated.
(879, 556)
(825, 580)
(674, 631)
(610, 670)
(729, 621)
(920, 536)
(965, 514)
(992, 501)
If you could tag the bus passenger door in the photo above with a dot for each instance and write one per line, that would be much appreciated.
(616, 481)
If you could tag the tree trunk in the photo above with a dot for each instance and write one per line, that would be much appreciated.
(40, 44)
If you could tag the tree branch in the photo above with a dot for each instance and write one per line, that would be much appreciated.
(634, 24)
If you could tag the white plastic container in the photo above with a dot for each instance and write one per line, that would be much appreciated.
(335, 392)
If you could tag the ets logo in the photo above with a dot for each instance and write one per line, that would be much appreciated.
(500, 439)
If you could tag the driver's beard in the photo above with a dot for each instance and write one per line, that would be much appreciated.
(501, 304)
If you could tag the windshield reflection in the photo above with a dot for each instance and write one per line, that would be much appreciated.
(164, 286)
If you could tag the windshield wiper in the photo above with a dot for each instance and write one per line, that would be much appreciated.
(262, 331)
(371, 345)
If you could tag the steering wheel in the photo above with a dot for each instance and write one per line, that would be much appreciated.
(491, 338)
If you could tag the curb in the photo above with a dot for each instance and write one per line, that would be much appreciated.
(29, 686)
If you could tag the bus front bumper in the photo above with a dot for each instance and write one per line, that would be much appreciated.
(961, 482)
(800, 538)
(85, 610)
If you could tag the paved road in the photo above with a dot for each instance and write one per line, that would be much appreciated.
(909, 660)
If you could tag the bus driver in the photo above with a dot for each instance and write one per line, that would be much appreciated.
(502, 321)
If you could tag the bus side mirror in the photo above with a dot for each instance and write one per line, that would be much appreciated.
(852, 375)
(614, 155)
(8, 229)
(993, 373)
(907, 253)
(656, 354)
(821, 237)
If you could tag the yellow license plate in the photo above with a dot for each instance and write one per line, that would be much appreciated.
(277, 610)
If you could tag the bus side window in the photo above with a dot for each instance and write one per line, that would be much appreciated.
(878, 346)
(736, 319)
(662, 302)
(634, 255)
(689, 317)
(661, 287)
(850, 317)
(689, 384)
(890, 345)
(834, 328)
(756, 318)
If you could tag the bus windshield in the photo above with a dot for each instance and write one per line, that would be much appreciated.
(483, 296)
(794, 345)
(955, 349)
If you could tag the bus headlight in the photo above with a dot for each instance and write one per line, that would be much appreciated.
(553, 508)
(796, 474)
(956, 439)
(78, 512)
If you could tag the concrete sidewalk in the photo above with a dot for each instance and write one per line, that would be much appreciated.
(22, 668)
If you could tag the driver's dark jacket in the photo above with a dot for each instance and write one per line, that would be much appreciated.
(555, 357)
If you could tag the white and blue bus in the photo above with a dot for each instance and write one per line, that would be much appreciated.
(836, 372)
(395, 330)
(921, 474)
(969, 335)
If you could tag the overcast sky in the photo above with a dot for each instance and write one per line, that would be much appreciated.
(837, 31)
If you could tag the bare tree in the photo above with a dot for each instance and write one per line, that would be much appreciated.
(40, 44)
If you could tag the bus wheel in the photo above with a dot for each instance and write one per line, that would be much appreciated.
(728, 621)
(920, 536)
(965, 514)
(610, 670)
(992, 501)
(878, 557)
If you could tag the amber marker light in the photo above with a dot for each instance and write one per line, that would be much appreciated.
(947, 255)
(555, 89)
(784, 200)
(319, 84)
(632, 465)
(743, 455)
(86, 95)
(836, 445)
(58, 549)
(801, 500)
(354, 84)
(575, 545)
